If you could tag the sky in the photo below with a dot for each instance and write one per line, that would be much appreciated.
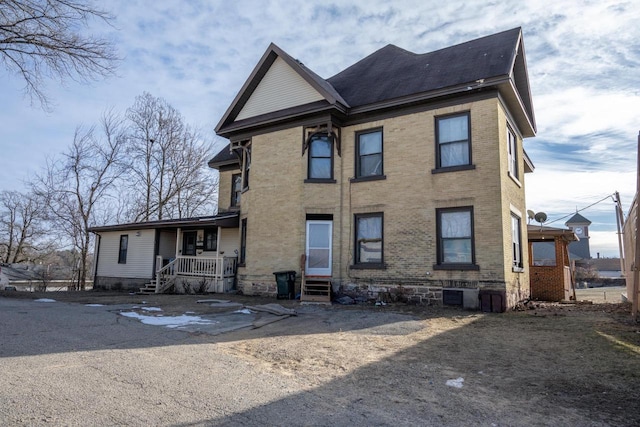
(582, 56)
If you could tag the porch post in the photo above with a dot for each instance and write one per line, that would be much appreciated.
(218, 241)
(178, 240)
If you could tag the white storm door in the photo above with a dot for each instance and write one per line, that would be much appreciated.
(318, 248)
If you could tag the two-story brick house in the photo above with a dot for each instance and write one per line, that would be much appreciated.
(402, 175)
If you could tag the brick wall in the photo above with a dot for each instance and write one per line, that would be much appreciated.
(278, 201)
(547, 282)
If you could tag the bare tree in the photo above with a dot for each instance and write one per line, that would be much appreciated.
(169, 174)
(77, 186)
(21, 221)
(41, 39)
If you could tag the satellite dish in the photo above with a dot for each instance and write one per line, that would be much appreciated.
(540, 217)
(530, 214)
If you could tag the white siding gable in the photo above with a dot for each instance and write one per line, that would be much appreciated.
(280, 88)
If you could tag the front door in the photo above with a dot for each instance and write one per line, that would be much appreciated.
(318, 250)
(189, 243)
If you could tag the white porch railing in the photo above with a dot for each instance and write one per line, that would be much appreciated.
(217, 268)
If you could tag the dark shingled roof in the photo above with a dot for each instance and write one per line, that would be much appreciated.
(578, 219)
(223, 158)
(393, 77)
(392, 72)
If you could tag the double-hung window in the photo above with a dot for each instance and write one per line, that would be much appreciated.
(211, 239)
(455, 248)
(122, 252)
(512, 150)
(320, 157)
(453, 141)
(369, 239)
(369, 154)
(516, 242)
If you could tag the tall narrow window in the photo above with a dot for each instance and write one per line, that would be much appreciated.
(246, 167)
(455, 238)
(516, 241)
(320, 157)
(236, 189)
(211, 239)
(368, 239)
(122, 252)
(243, 241)
(453, 140)
(369, 154)
(512, 153)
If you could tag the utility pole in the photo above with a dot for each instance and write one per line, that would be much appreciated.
(619, 222)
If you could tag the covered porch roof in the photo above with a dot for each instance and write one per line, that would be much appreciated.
(224, 220)
(541, 232)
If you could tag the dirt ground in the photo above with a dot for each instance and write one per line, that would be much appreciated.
(550, 364)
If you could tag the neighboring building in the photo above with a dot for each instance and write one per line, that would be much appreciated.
(402, 175)
(550, 275)
(193, 253)
(580, 226)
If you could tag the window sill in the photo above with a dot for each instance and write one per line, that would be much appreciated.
(244, 190)
(515, 179)
(456, 267)
(368, 267)
(368, 178)
(517, 269)
(453, 169)
(320, 181)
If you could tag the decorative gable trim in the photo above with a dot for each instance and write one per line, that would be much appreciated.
(323, 88)
(280, 88)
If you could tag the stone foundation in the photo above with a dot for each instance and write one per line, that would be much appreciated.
(119, 283)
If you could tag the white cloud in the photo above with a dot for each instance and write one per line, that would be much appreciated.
(582, 56)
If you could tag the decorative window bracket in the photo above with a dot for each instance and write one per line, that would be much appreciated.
(333, 132)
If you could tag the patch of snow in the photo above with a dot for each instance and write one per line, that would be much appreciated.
(457, 383)
(44, 300)
(151, 308)
(169, 321)
(94, 305)
(244, 311)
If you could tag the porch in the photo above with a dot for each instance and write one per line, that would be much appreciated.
(195, 273)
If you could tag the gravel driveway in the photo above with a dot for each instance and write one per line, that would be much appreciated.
(85, 360)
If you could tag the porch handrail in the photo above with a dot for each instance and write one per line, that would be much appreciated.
(220, 266)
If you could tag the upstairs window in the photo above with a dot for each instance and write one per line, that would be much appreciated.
(512, 153)
(211, 239)
(320, 158)
(453, 141)
(368, 236)
(369, 154)
(122, 252)
(455, 238)
(236, 189)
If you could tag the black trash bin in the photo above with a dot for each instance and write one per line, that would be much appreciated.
(286, 281)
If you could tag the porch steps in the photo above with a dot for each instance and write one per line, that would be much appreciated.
(315, 290)
(148, 289)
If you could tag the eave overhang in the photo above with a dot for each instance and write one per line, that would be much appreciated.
(226, 220)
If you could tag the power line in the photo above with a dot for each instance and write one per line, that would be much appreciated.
(580, 210)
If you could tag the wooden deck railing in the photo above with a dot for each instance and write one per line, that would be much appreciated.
(217, 268)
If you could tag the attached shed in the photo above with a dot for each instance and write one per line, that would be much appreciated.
(550, 278)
